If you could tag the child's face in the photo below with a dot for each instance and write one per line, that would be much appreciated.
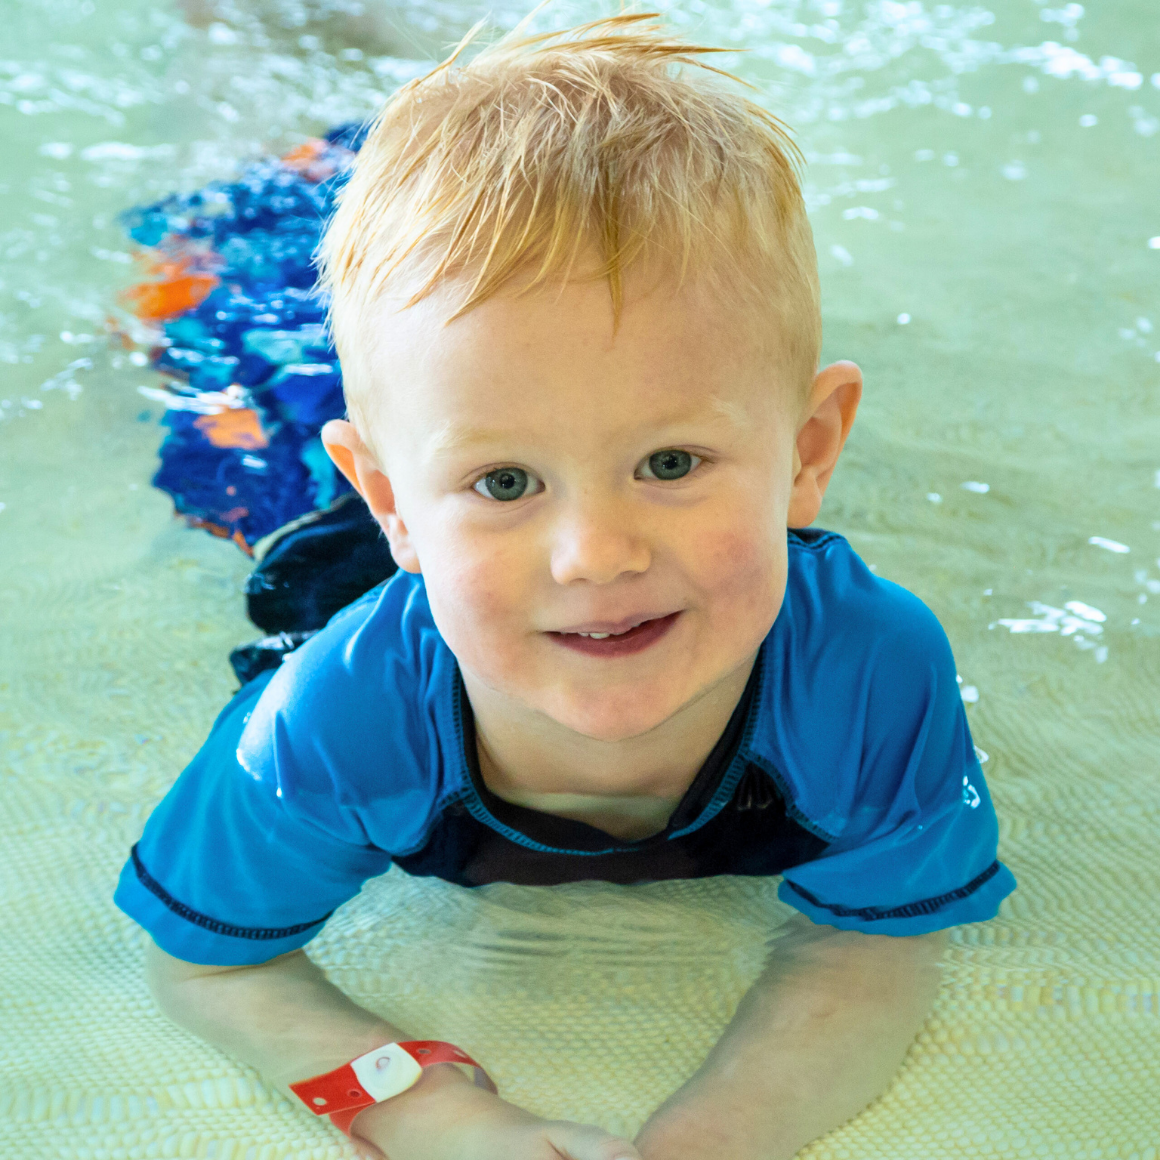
(551, 478)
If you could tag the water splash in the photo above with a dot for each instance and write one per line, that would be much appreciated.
(1075, 619)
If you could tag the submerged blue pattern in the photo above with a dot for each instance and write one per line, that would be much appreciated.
(257, 341)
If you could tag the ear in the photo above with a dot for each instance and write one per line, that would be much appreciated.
(353, 458)
(829, 415)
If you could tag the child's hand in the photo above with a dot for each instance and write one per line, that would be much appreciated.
(460, 1122)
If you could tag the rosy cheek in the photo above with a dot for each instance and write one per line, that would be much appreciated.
(729, 559)
(481, 602)
(741, 574)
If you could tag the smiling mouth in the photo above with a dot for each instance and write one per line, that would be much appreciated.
(617, 644)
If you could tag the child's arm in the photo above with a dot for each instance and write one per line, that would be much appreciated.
(818, 1036)
(284, 1018)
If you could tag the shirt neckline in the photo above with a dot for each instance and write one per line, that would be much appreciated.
(557, 833)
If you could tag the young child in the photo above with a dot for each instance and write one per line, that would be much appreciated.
(575, 295)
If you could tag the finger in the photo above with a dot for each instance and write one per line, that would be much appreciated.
(587, 1142)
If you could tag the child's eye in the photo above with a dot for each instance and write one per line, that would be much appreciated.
(668, 464)
(506, 484)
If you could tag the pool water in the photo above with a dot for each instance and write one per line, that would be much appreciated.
(982, 184)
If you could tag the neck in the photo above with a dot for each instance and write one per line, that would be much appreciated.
(523, 751)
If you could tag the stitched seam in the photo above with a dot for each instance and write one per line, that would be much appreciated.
(720, 799)
(791, 808)
(212, 924)
(737, 766)
(813, 545)
(910, 910)
(472, 802)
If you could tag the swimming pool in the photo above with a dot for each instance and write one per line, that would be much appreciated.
(982, 192)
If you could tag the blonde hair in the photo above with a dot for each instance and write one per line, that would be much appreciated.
(545, 150)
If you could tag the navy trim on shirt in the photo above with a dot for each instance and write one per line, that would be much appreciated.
(708, 793)
(910, 910)
(731, 820)
(791, 809)
(813, 537)
(212, 924)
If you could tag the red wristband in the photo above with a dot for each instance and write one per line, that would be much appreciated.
(380, 1074)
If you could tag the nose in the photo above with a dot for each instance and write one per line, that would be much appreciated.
(597, 543)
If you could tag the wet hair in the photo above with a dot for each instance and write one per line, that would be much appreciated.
(581, 153)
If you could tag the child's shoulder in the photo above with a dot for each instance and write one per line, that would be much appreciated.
(378, 672)
(833, 598)
(857, 677)
(387, 634)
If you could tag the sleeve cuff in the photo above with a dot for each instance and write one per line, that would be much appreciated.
(187, 934)
(976, 901)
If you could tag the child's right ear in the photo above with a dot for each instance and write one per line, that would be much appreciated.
(351, 456)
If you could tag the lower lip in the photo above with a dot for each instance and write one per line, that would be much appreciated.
(634, 641)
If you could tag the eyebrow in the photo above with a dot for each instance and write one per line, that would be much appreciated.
(452, 437)
(732, 413)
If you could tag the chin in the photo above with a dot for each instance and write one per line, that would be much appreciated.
(610, 715)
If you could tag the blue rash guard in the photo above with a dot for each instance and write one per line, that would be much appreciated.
(847, 767)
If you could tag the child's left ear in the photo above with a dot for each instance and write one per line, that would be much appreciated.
(829, 415)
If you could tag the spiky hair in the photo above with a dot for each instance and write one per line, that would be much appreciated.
(575, 153)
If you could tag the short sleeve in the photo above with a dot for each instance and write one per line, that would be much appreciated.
(229, 872)
(913, 881)
(915, 848)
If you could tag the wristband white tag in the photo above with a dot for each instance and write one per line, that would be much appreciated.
(378, 1075)
(387, 1071)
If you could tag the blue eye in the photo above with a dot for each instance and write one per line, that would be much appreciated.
(669, 464)
(504, 483)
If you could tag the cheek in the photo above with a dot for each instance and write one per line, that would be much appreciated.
(477, 596)
(741, 570)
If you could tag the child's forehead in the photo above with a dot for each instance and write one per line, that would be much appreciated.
(559, 356)
(661, 325)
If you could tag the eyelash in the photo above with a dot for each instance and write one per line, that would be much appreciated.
(699, 460)
(531, 475)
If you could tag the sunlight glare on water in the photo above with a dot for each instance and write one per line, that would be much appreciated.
(981, 182)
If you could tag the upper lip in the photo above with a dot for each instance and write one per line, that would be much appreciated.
(613, 627)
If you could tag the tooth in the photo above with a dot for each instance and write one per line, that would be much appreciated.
(598, 635)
